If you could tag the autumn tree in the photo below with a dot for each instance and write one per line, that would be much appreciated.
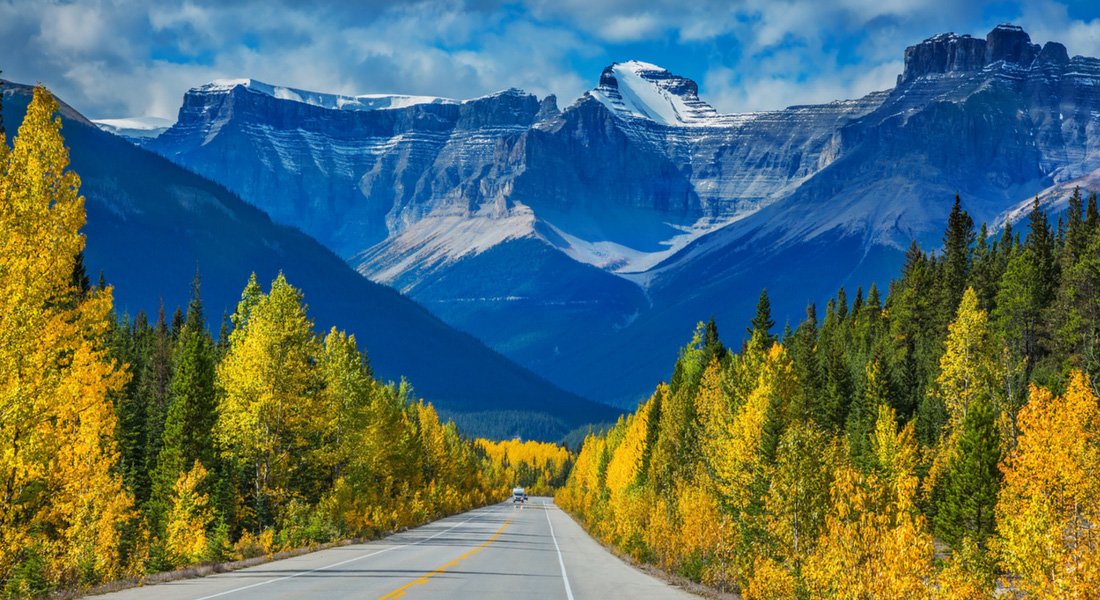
(1050, 501)
(962, 479)
(189, 516)
(266, 416)
(61, 499)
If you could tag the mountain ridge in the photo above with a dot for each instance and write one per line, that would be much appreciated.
(151, 224)
(550, 234)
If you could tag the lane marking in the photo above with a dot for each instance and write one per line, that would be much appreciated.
(561, 561)
(343, 562)
(424, 579)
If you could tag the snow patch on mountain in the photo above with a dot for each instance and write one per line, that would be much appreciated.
(135, 127)
(441, 238)
(641, 90)
(624, 259)
(323, 100)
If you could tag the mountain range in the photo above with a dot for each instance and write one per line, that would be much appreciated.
(585, 242)
(151, 224)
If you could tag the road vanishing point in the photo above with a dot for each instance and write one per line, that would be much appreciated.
(518, 552)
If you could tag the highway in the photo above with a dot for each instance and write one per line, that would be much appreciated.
(500, 551)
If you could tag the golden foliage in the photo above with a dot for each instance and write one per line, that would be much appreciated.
(189, 516)
(59, 495)
(1048, 510)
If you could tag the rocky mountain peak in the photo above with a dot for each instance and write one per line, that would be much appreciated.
(1011, 44)
(951, 53)
(640, 90)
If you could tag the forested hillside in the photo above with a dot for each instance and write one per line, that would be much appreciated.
(942, 443)
(129, 446)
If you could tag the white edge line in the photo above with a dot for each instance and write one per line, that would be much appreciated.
(343, 562)
(561, 561)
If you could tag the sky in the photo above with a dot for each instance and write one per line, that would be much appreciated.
(125, 58)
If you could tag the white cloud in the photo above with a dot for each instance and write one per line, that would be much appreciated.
(1050, 21)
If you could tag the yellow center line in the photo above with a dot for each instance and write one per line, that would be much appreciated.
(399, 592)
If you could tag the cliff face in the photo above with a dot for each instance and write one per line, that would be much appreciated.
(639, 209)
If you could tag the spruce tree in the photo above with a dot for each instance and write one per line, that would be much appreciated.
(1092, 215)
(762, 322)
(3, 132)
(191, 411)
(863, 413)
(130, 410)
(712, 345)
(153, 391)
(967, 495)
(807, 367)
(957, 240)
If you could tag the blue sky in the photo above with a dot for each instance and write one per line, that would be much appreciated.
(116, 58)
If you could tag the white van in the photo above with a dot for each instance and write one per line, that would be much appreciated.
(519, 495)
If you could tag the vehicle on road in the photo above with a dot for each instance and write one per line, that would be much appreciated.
(519, 495)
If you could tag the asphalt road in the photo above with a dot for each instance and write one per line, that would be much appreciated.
(501, 551)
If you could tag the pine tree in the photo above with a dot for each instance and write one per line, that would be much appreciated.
(3, 132)
(916, 340)
(864, 412)
(1092, 215)
(957, 240)
(808, 404)
(132, 409)
(839, 386)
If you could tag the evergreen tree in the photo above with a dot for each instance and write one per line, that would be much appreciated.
(1076, 237)
(839, 386)
(192, 410)
(153, 390)
(965, 502)
(985, 275)
(81, 283)
(864, 413)
(3, 132)
(762, 322)
(712, 345)
(1092, 215)
(807, 368)
(132, 408)
(178, 321)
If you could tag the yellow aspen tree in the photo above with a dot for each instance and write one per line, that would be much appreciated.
(267, 413)
(732, 444)
(875, 543)
(189, 516)
(629, 503)
(60, 497)
(968, 374)
(798, 497)
(770, 580)
(1048, 509)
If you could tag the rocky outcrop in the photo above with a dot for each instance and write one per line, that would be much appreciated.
(950, 53)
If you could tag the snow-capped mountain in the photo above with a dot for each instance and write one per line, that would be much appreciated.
(586, 242)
